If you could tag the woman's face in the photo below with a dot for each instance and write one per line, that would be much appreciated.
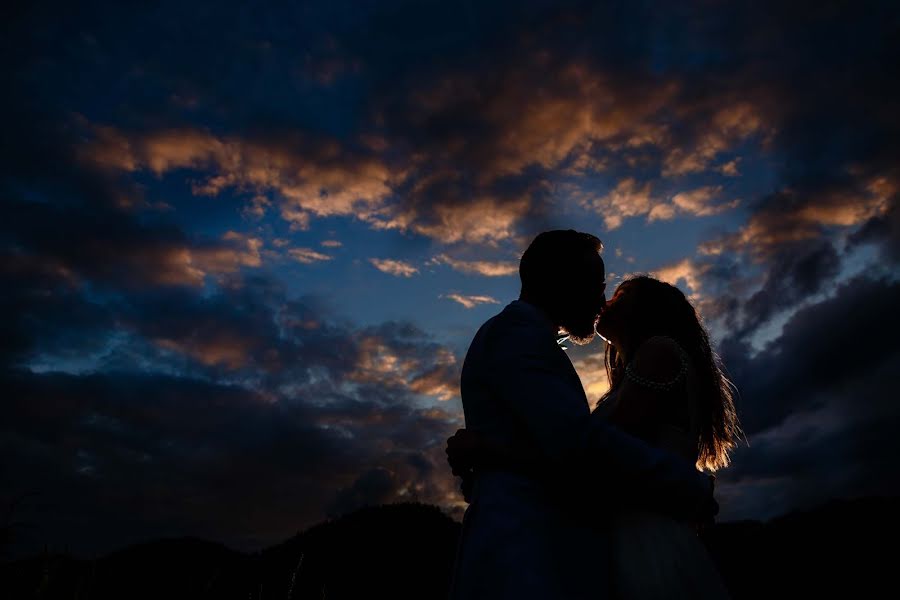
(614, 319)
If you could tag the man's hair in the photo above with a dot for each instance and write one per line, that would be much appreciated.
(555, 258)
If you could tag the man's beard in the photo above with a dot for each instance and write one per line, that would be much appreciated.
(581, 333)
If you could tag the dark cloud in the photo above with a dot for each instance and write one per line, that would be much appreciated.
(798, 271)
(883, 231)
(818, 404)
(820, 347)
(42, 303)
(235, 413)
(148, 454)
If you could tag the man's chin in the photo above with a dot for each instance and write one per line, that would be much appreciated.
(581, 340)
(581, 335)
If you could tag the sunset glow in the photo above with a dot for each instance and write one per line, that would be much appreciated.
(244, 252)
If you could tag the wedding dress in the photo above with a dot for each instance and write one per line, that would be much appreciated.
(655, 556)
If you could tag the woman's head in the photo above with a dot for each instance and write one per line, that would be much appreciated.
(643, 307)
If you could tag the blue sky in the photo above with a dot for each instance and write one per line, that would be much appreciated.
(245, 247)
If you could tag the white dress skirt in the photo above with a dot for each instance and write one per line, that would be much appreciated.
(654, 556)
(657, 557)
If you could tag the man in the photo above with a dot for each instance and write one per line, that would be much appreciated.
(521, 537)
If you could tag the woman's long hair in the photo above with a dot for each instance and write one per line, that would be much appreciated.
(658, 308)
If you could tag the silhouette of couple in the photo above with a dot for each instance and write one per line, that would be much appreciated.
(565, 502)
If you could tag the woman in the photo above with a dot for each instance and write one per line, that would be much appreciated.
(666, 387)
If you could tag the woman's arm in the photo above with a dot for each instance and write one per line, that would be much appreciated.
(469, 452)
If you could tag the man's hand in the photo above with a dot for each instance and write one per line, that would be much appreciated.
(462, 454)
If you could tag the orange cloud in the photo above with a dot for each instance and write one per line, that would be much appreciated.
(730, 169)
(628, 199)
(633, 199)
(592, 372)
(699, 202)
(545, 123)
(478, 267)
(397, 268)
(307, 256)
(219, 350)
(789, 216)
(317, 178)
(242, 251)
(464, 185)
(487, 219)
(182, 264)
(728, 127)
(685, 270)
(471, 301)
(433, 375)
(440, 381)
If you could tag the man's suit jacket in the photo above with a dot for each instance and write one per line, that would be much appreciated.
(519, 541)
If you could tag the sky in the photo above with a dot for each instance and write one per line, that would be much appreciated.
(245, 246)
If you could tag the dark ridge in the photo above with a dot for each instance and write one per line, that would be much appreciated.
(406, 551)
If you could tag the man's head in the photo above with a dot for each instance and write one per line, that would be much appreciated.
(563, 274)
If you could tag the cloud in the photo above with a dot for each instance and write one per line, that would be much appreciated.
(730, 169)
(397, 268)
(324, 179)
(592, 371)
(470, 301)
(794, 246)
(631, 198)
(685, 270)
(699, 202)
(812, 339)
(389, 358)
(444, 216)
(180, 394)
(100, 445)
(308, 256)
(725, 129)
(532, 114)
(628, 199)
(883, 231)
(817, 414)
(458, 155)
(332, 244)
(241, 251)
(112, 246)
(794, 276)
(478, 267)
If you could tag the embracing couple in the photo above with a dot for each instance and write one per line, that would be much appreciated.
(565, 502)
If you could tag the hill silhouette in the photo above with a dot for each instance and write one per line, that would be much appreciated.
(406, 551)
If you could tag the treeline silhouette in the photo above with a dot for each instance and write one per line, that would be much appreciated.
(406, 551)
